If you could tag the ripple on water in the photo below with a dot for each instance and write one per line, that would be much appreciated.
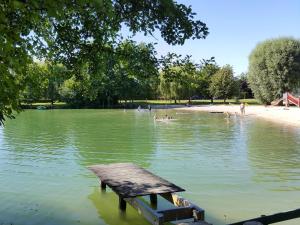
(222, 163)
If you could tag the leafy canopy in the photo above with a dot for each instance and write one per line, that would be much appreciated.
(79, 33)
(127, 74)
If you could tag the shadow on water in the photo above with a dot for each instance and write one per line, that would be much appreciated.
(106, 204)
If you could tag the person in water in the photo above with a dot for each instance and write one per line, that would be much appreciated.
(242, 108)
(149, 108)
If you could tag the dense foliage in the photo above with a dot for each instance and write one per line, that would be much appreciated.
(85, 37)
(43, 82)
(136, 74)
(274, 68)
(177, 76)
(180, 78)
(244, 88)
(130, 74)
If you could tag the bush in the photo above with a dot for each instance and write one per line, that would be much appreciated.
(274, 68)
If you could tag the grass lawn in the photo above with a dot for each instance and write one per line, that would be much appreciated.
(63, 105)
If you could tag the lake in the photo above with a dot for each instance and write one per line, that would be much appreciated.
(235, 168)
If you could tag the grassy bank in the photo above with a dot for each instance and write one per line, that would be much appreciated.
(196, 102)
(135, 103)
(47, 105)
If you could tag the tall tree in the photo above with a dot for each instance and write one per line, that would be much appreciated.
(77, 33)
(170, 76)
(137, 69)
(55, 76)
(177, 76)
(274, 68)
(208, 67)
(34, 89)
(223, 84)
(189, 71)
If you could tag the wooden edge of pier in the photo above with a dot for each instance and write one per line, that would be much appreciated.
(183, 210)
(129, 182)
(270, 219)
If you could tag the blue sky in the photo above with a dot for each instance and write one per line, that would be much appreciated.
(235, 27)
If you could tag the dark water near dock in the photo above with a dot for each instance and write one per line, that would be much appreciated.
(235, 168)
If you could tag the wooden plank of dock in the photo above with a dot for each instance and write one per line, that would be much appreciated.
(129, 180)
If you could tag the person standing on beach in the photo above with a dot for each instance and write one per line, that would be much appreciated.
(242, 108)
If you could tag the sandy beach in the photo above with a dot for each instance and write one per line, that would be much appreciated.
(279, 114)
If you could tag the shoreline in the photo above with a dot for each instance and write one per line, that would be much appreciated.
(278, 114)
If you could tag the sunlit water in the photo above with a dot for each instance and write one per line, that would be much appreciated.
(235, 168)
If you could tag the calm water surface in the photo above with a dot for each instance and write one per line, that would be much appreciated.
(235, 168)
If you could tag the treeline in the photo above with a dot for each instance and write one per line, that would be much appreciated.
(133, 72)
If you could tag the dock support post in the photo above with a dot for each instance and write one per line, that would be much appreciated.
(122, 204)
(153, 199)
(103, 186)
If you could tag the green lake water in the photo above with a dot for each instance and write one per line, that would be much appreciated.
(235, 168)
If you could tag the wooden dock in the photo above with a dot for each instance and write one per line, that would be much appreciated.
(130, 181)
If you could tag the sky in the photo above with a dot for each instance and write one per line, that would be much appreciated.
(235, 27)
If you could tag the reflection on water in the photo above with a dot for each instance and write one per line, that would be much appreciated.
(235, 168)
(274, 155)
(106, 204)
